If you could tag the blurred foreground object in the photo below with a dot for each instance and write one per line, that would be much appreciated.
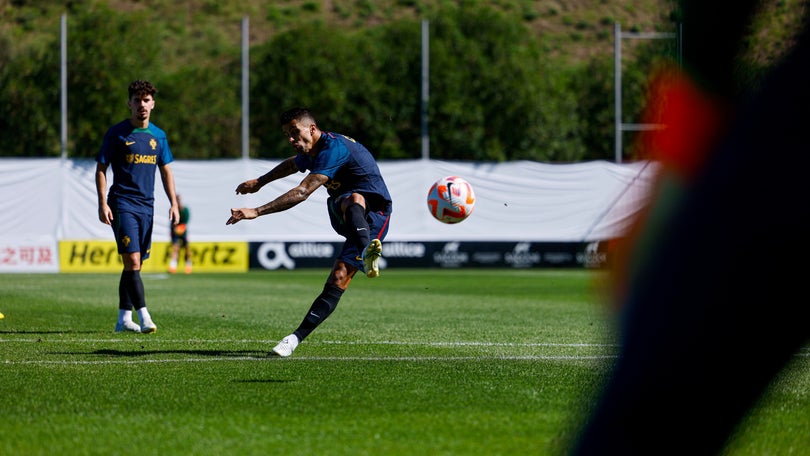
(708, 294)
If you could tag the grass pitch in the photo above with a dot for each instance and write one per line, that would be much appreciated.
(434, 362)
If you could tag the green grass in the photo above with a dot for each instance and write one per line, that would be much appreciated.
(434, 362)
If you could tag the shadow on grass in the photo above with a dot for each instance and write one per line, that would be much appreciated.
(211, 353)
(66, 331)
(137, 353)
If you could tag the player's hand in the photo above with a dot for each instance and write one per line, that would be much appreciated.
(105, 214)
(174, 215)
(244, 213)
(248, 186)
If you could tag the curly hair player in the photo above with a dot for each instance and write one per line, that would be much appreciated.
(134, 148)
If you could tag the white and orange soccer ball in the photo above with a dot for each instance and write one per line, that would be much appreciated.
(451, 199)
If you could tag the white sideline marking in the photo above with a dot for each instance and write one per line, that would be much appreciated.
(469, 344)
(311, 358)
(149, 338)
(262, 357)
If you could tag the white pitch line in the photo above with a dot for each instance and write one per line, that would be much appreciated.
(325, 358)
(313, 358)
(327, 342)
(137, 339)
(470, 344)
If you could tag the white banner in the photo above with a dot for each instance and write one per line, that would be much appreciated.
(516, 201)
(29, 254)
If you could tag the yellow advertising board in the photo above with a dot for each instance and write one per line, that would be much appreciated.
(102, 256)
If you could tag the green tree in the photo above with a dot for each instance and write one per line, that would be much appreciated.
(495, 92)
(357, 83)
(593, 84)
(201, 110)
(29, 99)
(494, 95)
(106, 51)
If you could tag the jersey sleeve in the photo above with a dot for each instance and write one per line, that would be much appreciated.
(165, 156)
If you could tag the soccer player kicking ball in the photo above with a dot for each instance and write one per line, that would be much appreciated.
(359, 207)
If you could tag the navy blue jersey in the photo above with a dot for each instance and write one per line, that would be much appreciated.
(134, 154)
(350, 168)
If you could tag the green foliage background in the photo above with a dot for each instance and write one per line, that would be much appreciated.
(500, 89)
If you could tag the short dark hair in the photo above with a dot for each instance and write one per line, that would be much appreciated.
(296, 114)
(141, 88)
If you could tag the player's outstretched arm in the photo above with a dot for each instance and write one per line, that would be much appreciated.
(283, 169)
(289, 199)
(244, 213)
(248, 186)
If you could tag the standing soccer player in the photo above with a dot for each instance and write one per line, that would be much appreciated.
(134, 148)
(359, 207)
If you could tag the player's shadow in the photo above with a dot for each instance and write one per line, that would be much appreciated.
(67, 331)
(212, 353)
(138, 353)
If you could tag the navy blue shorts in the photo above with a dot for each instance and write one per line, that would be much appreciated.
(378, 223)
(133, 233)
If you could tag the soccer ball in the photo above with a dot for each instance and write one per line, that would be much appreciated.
(451, 199)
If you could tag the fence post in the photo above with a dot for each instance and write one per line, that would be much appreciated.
(63, 81)
(425, 88)
(245, 88)
(621, 127)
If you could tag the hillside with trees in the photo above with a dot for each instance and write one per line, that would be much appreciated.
(509, 80)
